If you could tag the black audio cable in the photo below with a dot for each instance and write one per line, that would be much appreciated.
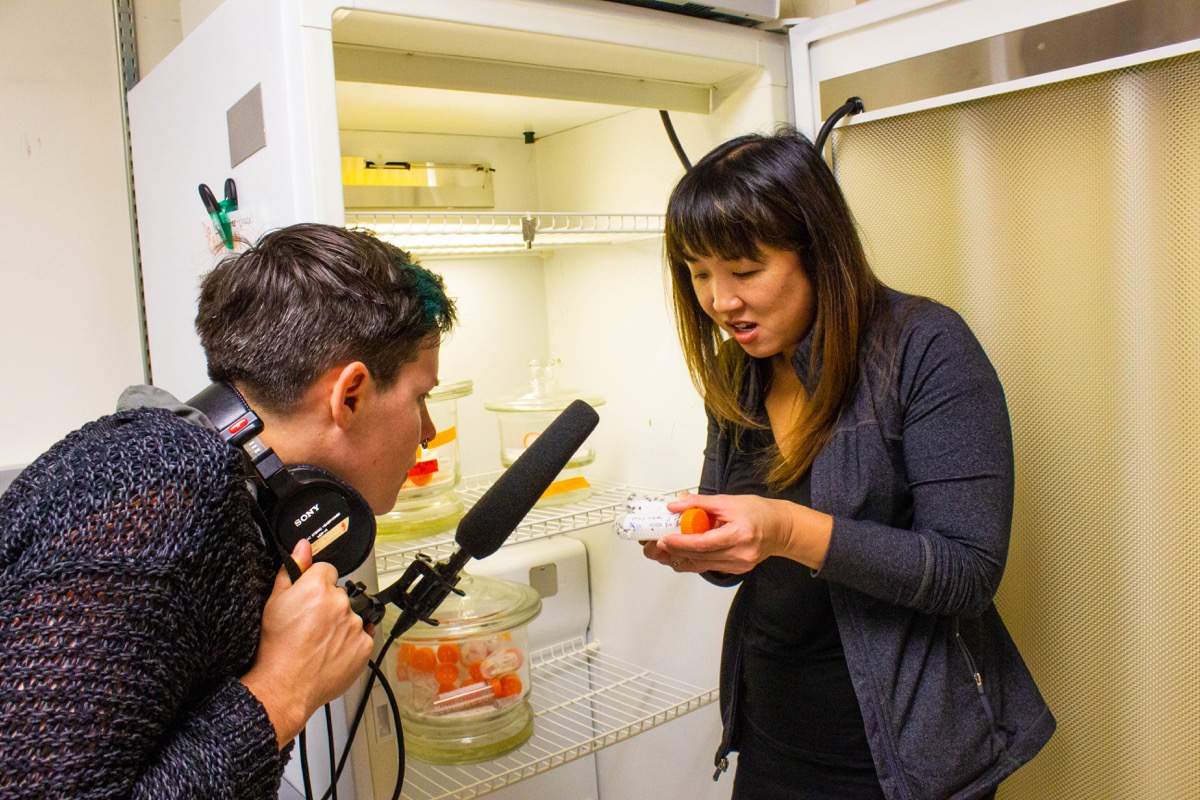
(670, 128)
(387, 690)
(335, 775)
(303, 745)
(852, 106)
(330, 754)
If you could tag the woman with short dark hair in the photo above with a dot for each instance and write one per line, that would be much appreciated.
(152, 645)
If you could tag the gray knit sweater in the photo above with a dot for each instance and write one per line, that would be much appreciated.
(132, 582)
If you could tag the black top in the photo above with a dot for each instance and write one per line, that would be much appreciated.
(795, 683)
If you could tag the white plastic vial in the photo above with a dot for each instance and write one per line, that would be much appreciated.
(646, 519)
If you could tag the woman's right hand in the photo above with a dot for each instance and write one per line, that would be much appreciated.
(311, 647)
(748, 529)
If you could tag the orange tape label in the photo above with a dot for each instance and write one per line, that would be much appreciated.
(568, 485)
(443, 437)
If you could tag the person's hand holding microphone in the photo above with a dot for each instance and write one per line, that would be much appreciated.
(312, 646)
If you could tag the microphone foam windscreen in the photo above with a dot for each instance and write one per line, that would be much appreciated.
(501, 508)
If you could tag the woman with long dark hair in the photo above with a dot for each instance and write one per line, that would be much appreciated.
(859, 469)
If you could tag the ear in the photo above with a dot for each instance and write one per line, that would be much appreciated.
(352, 386)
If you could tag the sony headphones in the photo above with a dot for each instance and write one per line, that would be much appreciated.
(301, 501)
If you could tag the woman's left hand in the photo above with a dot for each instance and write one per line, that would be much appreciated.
(747, 530)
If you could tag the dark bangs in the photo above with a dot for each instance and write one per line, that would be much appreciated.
(733, 207)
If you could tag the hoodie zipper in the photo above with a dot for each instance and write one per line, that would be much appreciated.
(975, 676)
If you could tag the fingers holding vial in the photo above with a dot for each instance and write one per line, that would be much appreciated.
(647, 519)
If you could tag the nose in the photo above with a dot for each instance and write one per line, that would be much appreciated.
(724, 295)
(428, 429)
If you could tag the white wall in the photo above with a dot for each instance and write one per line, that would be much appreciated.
(69, 338)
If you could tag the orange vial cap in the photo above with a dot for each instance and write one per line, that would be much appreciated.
(448, 653)
(446, 674)
(694, 520)
(423, 659)
(509, 685)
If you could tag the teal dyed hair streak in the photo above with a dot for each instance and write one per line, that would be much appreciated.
(435, 306)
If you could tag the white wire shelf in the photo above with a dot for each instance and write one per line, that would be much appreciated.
(601, 506)
(583, 700)
(459, 233)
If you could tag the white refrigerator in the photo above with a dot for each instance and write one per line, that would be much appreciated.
(560, 101)
(555, 105)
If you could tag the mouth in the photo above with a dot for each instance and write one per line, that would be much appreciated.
(743, 332)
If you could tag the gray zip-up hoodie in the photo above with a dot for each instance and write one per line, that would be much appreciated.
(918, 476)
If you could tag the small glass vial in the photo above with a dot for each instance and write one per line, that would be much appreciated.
(646, 519)
(471, 696)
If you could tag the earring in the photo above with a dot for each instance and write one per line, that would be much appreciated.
(424, 444)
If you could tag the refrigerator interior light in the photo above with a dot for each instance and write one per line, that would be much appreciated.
(468, 233)
(415, 184)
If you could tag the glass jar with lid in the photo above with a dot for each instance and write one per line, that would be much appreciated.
(463, 685)
(525, 414)
(427, 503)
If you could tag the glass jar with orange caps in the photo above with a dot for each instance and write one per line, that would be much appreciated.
(463, 685)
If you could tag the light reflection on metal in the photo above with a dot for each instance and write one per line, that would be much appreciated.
(1089, 37)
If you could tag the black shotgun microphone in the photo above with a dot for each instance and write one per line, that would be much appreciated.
(497, 513)
(502, 507)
